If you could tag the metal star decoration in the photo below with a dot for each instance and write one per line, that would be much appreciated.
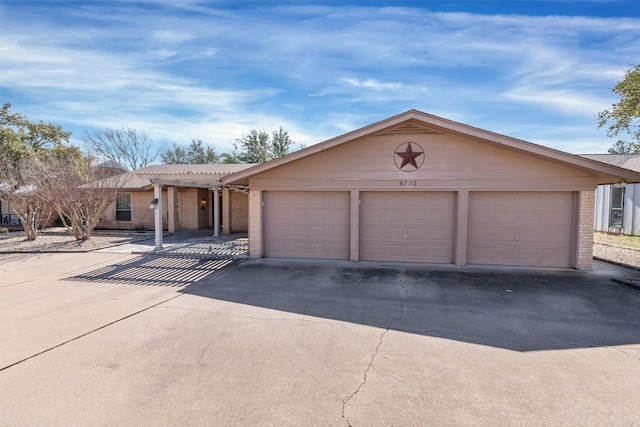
(409, 156)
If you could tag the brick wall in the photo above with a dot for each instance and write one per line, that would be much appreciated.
(239, 211)
(205, 215)
(141, 215)
(225, 214)
(585, 230)
(189, 205)
(255, 223)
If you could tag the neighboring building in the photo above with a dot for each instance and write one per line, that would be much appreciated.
(102, 169)
(420, 188)
(7, 216)
(188, 202)
(618, 205)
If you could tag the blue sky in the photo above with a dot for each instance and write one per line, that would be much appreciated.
(213, 70)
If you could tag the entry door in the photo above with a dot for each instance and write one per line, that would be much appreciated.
(407, 226)
(529, 229)
(301, 224)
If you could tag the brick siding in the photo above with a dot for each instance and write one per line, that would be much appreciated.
(239, 211)
(141, 215)
(255, 223)
(585, 230)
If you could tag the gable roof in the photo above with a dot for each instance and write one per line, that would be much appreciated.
(190, 175)
(194, 169)
(179, 175)
(414, 122)
(123, 182)
(626, 161)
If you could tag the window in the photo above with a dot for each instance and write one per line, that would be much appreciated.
(617, 198)
(123, 207)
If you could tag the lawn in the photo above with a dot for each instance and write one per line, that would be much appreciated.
(621, 240)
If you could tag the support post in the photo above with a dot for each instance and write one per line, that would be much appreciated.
(157, 193)
(462, 225)
(172, 207)
(354, 240)
(216, 212)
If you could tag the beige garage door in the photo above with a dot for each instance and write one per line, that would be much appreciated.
(531, 229)
(407, 226)
(302, 224)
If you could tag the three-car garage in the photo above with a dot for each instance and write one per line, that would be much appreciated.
(422, 189)
(507, 228)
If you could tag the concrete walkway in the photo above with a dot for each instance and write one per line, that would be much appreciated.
(197, 243)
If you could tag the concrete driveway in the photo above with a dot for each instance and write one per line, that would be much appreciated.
(112, 339)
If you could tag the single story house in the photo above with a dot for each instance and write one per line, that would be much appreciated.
(420, 188)
(7, 215)
(188, 197)
(618, 205)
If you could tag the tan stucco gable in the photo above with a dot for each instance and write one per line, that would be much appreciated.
(415, 122)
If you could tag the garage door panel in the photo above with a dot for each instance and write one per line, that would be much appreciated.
(306, 224)
(555, 240)
(441, 218)
(412, 224)
(441, 235)
(316, 215)
(314, 231)
(391, 233)
(502, 236)
(531, 220)
(480, 218)
(533, 229)
(417, 218)
(397, 217)
(417, 234)
(531, 237)
(294, 231)
(505, 218)
(337, 232)
(297, 216)
(479, 235)
(417, 251)
(335, 216)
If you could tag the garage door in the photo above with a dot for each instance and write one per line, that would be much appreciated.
(531, 229)
(407, 226)
(306, 224)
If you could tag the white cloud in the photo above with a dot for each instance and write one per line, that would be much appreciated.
(171, 36)
(565, 101)
(372, 84)
(219, 71)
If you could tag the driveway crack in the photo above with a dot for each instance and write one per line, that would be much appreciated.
(346, 400)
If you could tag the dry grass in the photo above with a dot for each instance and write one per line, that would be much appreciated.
(617, 248)
(59, 240)
(620, 240)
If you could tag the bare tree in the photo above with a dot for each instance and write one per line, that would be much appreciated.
(25, 148)
(19, 186)
(79, 194)
(126, 146)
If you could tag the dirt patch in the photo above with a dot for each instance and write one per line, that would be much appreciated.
(59, 240)
(617, 248)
